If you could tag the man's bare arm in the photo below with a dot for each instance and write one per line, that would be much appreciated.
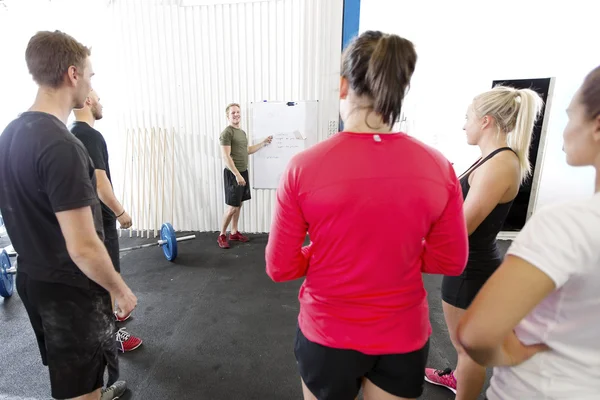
(107, 196)
(226, 154)
(105, 192)
(256, 147)
(90, 255)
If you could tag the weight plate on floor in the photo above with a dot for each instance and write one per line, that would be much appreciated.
(167, 233)
(6, 280)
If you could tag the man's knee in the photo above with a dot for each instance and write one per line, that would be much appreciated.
(231, 210)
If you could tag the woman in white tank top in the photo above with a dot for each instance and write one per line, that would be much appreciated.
(537, 319)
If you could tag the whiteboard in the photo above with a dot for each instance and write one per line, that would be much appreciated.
(293, 126)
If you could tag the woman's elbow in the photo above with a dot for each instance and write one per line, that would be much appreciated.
(475, 343)
(274, 272)
(465, 334)
(274, 275)
(282, 275)
(457, 267)
(279, 276)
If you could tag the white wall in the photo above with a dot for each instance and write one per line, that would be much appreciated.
(18, 23)
(170, 69)
(464, 45)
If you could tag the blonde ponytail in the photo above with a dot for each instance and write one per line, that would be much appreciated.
(515, 112)
(520, 138)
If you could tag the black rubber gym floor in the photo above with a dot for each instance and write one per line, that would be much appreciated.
(215, 327)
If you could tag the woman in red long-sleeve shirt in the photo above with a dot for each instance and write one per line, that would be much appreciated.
(381, 208)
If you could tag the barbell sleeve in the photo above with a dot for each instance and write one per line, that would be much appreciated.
(181, 239)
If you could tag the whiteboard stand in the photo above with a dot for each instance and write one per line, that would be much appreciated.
(294, 127)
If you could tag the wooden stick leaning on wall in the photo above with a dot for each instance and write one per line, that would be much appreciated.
(149, 191)
(162, 174)
(142, 181)
(124, 173)
(144, 175)
(155, 202)
(173, 178)
(151, 186)
(137, 183)
(131, 138)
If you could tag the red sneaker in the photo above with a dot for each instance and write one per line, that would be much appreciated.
(222, 240)
(126, 341)
(119, 319)
(239, 237)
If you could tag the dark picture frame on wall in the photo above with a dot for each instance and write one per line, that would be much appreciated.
(524, 204)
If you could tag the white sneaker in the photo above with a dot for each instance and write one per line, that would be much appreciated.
(114, 391)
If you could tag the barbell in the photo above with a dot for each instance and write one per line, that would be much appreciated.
(168, 242)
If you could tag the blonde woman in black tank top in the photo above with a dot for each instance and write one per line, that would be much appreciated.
(500, 122)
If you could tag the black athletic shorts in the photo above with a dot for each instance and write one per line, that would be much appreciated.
(111, 242)
(460, 291)
(75, 331)
(336, 374)
(235, 194)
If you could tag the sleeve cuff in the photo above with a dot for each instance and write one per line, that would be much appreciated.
(538, 260)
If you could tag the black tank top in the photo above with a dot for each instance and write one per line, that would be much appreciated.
(484, 256)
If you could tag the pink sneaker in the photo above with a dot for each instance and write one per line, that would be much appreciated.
(443, 378)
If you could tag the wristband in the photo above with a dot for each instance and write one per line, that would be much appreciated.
(118, 216)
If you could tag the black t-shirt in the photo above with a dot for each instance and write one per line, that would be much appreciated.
(96, 146)
(44, 169)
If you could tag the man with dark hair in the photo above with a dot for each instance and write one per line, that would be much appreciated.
(112, 210)
(235, 151)
(52, 215)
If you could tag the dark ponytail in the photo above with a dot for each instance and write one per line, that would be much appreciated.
(390, 68)
(380, 66)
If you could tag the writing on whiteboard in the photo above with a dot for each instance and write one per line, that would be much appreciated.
(284, 145)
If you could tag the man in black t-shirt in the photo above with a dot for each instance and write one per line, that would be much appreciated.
(112, 209)
(52, 215)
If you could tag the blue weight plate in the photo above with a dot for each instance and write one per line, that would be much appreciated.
(6, 281)
(167, 233)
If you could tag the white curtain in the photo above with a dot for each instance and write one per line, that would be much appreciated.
(165, 70)
(175, 67)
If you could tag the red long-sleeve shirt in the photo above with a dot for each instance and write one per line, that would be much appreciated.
(380, 210)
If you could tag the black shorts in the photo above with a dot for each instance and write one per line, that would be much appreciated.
(75, 331)
(111, 242)
(460, 291)
(235, 194)
(336, 374)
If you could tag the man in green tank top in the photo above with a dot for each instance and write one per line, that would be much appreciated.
(235, 151)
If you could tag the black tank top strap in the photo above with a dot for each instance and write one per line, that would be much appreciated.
(480, 162)
(493, 153)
